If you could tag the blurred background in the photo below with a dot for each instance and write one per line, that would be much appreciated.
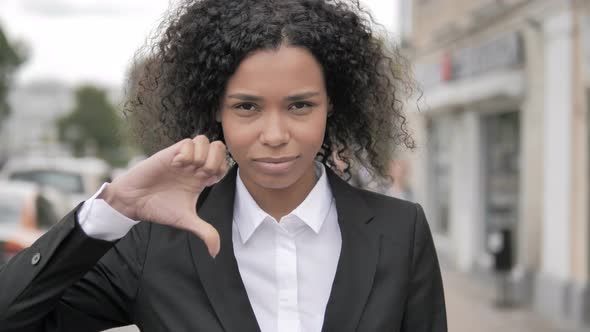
(502, 127)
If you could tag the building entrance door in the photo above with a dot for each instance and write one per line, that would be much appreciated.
(501, 142)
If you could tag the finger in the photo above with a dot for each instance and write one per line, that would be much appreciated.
(201, 147)
(224, 164)
(215, 159)
(223, 168)
(184, 156)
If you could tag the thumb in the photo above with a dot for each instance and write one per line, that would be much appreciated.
(206, 233)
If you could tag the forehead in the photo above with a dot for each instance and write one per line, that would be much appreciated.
(278, 71)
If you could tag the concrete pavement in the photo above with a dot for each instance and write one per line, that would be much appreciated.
(470, 308)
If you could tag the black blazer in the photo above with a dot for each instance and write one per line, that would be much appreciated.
(163, 279)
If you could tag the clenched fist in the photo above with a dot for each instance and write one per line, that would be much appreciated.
(164, 188)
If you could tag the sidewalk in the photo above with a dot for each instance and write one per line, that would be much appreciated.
(470, 308)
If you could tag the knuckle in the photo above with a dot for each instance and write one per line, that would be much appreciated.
(199, 162)
(185, 142)
(209, 169)
(218, 144)
(200, 155)
(219, 150)
(202, 139)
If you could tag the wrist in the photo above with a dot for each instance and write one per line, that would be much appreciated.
(111, 196)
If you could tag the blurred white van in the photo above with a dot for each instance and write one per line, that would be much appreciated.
(76, 178)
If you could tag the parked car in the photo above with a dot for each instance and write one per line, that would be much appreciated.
(77, 178)
(25, 214)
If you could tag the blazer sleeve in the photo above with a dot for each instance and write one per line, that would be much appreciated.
(67, 281)
(425, 307)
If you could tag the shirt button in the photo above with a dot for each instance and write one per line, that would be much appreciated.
(36, 258)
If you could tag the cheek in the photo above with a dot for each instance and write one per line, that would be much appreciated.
(238, 148)
(312, 135)
(237, 139)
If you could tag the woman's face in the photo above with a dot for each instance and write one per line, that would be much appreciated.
(273, 116)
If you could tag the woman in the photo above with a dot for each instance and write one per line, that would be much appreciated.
(280, 243)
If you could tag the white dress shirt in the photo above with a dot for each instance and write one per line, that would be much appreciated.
(287, 266)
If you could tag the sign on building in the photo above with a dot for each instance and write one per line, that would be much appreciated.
(501, 53)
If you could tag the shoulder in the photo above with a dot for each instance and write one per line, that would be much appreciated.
(383, 204)
(392, 215)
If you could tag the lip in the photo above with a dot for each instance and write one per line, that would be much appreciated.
(276, 160)
(275, 165)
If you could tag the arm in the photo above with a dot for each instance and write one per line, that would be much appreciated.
(70, 281)
(76, 283)
(425, 307)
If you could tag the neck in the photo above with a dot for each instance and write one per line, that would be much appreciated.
(280, 202)
(399, 186)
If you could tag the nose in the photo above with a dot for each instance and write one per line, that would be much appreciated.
(275, 130)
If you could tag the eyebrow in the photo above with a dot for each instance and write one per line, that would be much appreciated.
(300, 96)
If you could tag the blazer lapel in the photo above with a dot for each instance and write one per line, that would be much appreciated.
(220, 276)
(354, 274)
(358, 258)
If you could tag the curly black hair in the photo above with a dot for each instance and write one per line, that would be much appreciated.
(178, 78)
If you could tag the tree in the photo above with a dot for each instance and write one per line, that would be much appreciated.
(93, 127)
(11, 56)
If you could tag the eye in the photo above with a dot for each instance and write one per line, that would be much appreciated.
(246, 106)
(300, 105)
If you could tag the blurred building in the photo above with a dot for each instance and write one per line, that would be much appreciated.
(31, 126)
(504, 139)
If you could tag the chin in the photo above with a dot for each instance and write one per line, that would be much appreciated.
(275, 182)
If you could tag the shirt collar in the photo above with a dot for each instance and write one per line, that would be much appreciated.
(248, 216)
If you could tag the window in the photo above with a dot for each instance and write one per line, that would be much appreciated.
(440, 139)
(69, 183)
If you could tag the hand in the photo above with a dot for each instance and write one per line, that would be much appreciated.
(164, 188)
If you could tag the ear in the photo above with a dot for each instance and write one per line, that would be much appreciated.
(330, 109)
